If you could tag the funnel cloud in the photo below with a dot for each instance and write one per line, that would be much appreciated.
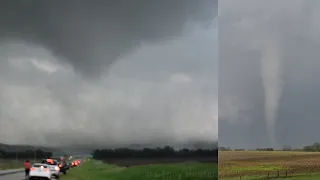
(108, 73)
(271, 73)
(268, 90)
(92, 35)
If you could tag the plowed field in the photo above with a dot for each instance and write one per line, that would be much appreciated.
(254, 163)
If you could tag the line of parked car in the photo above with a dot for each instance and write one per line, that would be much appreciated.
(51, 168)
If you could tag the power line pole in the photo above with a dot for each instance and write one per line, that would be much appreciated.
(35, 156)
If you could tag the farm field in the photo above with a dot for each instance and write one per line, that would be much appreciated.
(257, 164)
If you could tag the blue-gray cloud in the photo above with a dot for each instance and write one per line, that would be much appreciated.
(269, 64)
(165, 91)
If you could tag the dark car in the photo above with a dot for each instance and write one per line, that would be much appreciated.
(76, 163)
(73, 164)
(68, 165)
(64, 167)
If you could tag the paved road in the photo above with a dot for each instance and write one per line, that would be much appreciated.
(17, 176)
(8, 171)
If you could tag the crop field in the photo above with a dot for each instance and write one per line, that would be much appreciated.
(251, 164)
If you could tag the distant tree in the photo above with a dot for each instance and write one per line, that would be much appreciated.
(239, 149)
(309, 149)
(315, 147)
(25, 154)
(165, 152)
(264, 149)
(225, 149)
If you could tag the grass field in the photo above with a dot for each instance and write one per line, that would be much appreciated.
(10, 164)
(98, 170)
(128, 162)
(257, 164)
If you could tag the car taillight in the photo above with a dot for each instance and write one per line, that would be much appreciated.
(33, 169)
(46, 170)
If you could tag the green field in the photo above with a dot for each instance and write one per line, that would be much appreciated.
(10, 164)
(183, 171)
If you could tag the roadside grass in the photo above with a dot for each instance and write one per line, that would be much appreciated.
(10, 164)
(98, 170)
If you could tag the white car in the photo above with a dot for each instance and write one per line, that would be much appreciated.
(53, 166)
(38, 171)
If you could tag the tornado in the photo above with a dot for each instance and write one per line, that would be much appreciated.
(272, 78)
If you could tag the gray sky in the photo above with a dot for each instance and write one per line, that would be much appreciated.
(269, 90)
(108, 72)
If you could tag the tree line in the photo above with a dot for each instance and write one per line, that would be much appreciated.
(27, 154)
(165, 152)
(315, 147)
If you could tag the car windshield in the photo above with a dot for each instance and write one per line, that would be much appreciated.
(39, 165)
(49, 161)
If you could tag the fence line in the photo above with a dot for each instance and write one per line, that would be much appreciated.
(268, 176)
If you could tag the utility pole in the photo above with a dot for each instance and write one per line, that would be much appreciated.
(35, 156)
(17, 157)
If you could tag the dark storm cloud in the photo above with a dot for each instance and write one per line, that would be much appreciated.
(92, 35)
(268, 73)
(163, 92)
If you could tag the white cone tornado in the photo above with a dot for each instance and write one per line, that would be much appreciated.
(271, 71)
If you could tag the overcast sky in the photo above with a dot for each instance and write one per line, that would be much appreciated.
(269, 88)
(108, 72)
